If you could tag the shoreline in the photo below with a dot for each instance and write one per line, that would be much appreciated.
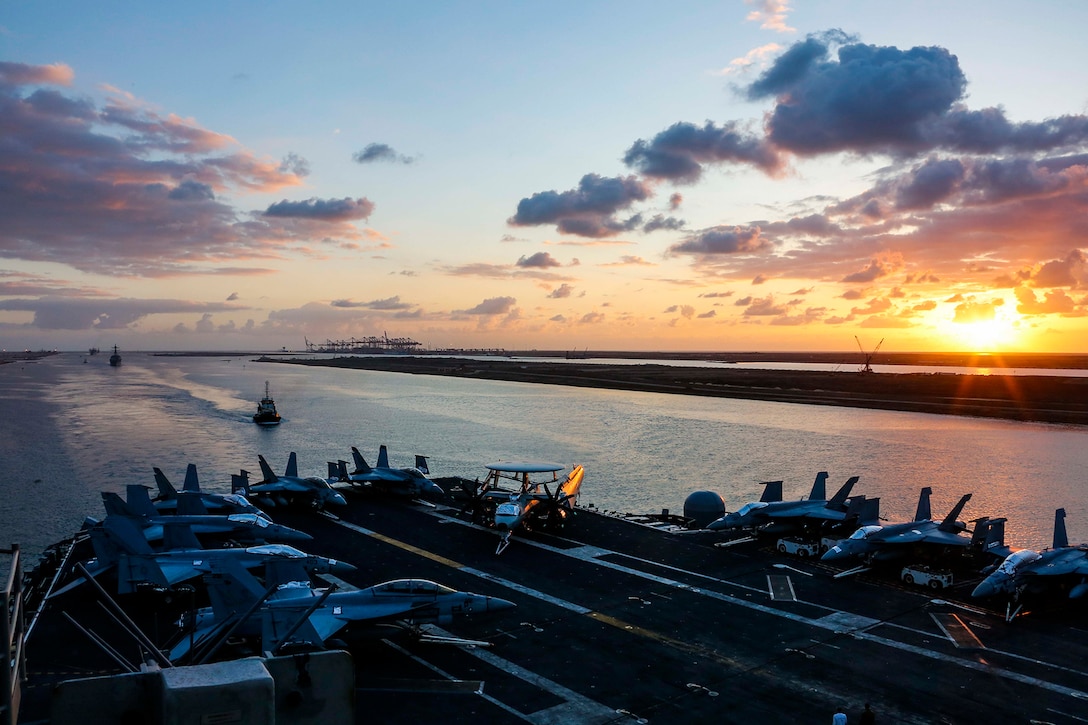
(1030, 398)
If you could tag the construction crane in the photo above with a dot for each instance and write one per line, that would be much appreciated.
(867, 368)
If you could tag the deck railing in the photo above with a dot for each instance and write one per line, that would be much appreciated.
(12, 631)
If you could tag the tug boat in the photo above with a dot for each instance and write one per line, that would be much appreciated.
(266, 410)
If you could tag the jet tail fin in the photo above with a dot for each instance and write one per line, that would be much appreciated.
(1061, 538)
(334, 471)
(866, 511)
(192, 483)
(116, 506)
(139, 500)
(924, 513)
(383, 457)
(838, 501)
(123, 534)
(292, 466)
(179, 536)
(231, 589)
(772, 492)
(167, 492)
(240, 482)
(361, 465)
(949, 523)
(819, 488)
(266, 470)
(989, 534)
(191, 504)
(421, 464)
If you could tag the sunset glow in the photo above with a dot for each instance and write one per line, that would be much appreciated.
(717, 177)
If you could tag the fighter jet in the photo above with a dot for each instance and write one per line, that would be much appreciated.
(291, 611)
(773, 511)
(215, 503)
(118, 544)
(290, 488)
(1028, 571)
(141, 511)
(411, 482)
(889, 543)
(535, 503)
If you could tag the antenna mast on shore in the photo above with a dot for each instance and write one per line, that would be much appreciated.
(867, 368)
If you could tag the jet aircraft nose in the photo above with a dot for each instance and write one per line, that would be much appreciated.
(725, 522)
(340, 567)
(989, 586)
(835, 553)
(433, 489)
(495, 604)
(338, 499)
(278, 532)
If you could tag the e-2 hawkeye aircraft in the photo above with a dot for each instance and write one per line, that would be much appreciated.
(411, 482)
(291, 611)
(290, 488)
(1059, 568)
(537, 503)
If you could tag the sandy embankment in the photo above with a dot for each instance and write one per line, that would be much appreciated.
(1040, 398)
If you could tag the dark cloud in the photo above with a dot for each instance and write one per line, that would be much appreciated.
(587, 211)
(389, 304)
(717, 294)
(120, 189)
(67, 313)
(877, 268)
(540, 260)
(323, 209)
(232, 296)
(294, 164)
(883, 99)
(380, 152)
(679, 152)
(722, 240)
(675, 200)
(493, 306)
(764, 307)
(1069, 272)
(930, 183)
(871, 99)
(660, 221)
(561, 292)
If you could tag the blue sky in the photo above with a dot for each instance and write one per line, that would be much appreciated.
(611, 175)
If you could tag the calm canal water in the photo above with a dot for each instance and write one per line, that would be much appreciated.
(70, 429)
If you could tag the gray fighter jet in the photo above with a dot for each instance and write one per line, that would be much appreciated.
(141, 511)
(411, 482)
(892, 542)
(120, 546)
(215, 503)
(1055, 569)
(291, 611)
(771, 510)
(290, 488)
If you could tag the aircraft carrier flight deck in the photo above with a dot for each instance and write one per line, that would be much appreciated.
(618, 622)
